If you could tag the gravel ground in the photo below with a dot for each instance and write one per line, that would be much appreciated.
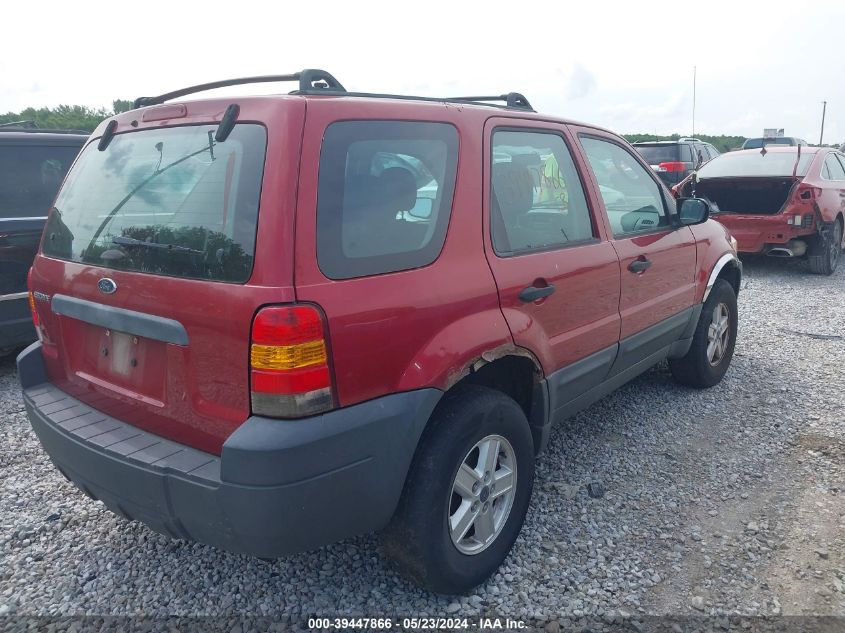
(729, 501)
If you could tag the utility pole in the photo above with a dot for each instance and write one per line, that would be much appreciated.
(824, 108)
(693, 100)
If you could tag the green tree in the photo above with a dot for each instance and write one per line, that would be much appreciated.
(121, 105)
(67, 117)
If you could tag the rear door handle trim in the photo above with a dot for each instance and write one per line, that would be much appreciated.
(639, 265)
(532, 293)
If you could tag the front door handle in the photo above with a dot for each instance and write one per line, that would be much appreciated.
(532, 293)
(639, 265)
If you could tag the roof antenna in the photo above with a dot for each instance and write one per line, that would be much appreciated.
(797, 160)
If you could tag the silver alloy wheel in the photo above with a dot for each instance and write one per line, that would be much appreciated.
(482, 494)
(718, 334)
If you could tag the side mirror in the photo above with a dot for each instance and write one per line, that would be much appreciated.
(422, 209)
(693, 211)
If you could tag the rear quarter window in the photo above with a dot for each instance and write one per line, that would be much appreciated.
(384, 196)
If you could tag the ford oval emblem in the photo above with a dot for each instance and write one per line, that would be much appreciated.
(107, 286)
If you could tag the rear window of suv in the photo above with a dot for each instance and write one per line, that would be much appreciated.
(384, 196)
(30, 177)
(656, 154)
(170, 201)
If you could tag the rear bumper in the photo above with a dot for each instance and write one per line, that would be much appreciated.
(754, 232)
(278, 486)
(16, 329)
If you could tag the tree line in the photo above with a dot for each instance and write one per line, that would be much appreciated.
(66, 117)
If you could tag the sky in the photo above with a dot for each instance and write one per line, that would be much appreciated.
(627, 66)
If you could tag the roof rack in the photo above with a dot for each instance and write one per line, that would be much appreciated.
(31, 127)
(26, 125)
(313, 81)
(511, 99)
(310, 80)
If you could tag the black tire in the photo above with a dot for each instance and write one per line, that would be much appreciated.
(825, 252)
(418, 538)
(696, 369)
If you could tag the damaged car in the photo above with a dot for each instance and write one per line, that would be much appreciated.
(778, 201)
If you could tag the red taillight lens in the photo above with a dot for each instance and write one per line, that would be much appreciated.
(290, 374)
(672, 166)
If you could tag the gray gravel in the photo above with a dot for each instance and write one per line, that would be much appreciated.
(725, 501)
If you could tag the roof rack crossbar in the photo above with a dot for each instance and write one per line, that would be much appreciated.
(310, 79)
(511, 99)
(29, 125)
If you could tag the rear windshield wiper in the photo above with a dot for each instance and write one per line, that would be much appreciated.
(131, 241)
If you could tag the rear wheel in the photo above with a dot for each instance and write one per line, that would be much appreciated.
(713, 342)
(466, 494)
(826, 250)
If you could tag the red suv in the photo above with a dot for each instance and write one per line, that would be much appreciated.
(270, 323)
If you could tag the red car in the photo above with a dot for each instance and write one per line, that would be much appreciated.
(780, 201)
(270, 323)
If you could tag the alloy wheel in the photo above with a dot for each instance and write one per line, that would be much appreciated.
(482, 494)
(718, 334)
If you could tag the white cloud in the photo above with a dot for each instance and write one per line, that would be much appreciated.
(627, 66)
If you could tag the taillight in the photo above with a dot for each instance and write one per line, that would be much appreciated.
(35, 320)
(807, 193)
(290, 375)
(672, 166)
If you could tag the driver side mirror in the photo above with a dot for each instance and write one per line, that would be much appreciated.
(693, 211)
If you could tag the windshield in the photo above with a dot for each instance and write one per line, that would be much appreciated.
(170, 201)
(740, 164)
(757, 143)
(30, 176)
(656, 154)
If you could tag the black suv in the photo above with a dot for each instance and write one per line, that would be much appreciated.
(674, 160)
(33, 163)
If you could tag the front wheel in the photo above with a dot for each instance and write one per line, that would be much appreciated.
(466, 494)
(713, 343)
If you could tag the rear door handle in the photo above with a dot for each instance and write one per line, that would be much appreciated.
(639, 265)
(532, 293)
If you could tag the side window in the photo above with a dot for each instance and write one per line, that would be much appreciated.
(836, 171)
(700, 154)
(384, 196)
(685, 152)
(30, 177)
(537, 201)
(841, 160)
(713, 151)
(826, 171)
(631, 197)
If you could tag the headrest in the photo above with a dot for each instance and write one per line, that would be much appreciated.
(358, 192)
(513, 188)
(399, 189)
